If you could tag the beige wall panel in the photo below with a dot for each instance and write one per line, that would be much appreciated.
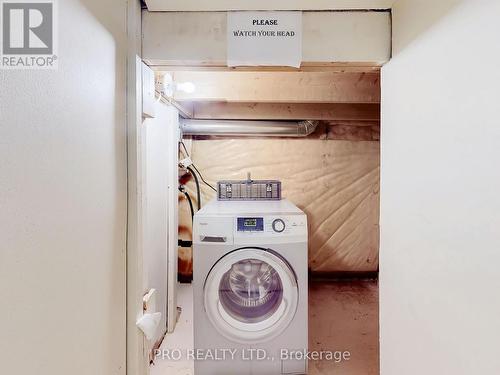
(335, 182)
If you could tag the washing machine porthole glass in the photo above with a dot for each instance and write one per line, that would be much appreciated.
(251, 291)
(251, 295)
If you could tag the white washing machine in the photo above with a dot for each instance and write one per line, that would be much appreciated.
(250, 288)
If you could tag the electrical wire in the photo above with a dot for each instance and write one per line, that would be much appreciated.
(196, 169)
(188, 197)
(185, 149)
(198, 190)
(190, 205)
(203, 180)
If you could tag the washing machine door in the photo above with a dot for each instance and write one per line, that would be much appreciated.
(251, 295)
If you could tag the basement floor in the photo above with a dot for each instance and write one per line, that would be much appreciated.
(343, 316)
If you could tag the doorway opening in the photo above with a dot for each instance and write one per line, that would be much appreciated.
(330, 172)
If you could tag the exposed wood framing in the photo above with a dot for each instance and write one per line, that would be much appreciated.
(280, 87)
(284, 111)
(351, 130)
(200, 38)
(225, 5)
(185, 109)
(339, 67)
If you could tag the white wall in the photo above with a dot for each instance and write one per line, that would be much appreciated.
(137, 361)
(440, 202)
(63, 201)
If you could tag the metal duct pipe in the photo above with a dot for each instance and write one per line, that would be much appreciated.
(248, 128)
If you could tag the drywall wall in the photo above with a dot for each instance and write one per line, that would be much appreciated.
(200, 37)
(137, 361)
(214, 5)
(63, 201)
(336, 182)
(440, 183)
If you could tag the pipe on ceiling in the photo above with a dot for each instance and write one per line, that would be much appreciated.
(248, 128)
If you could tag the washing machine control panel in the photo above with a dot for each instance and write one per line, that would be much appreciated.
(279, 225)
(250, 224)
(271, 226)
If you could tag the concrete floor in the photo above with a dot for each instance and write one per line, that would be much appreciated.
(343, 317)
(182, 338)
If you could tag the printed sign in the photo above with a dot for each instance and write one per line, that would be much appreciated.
(28, 34)
(264, 38)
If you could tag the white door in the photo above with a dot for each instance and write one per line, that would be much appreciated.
(251, 295)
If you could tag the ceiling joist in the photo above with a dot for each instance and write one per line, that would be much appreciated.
(232, 5)
(353, 67)
(284, 111)
(279, 87)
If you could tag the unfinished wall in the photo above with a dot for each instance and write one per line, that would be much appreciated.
(336, 182)
(63, 197)
(440, 203)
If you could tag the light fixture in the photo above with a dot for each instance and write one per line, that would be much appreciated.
(168, 87)
(187, 87)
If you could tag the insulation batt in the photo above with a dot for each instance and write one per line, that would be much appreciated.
(335, 182)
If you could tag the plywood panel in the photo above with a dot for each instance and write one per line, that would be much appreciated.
(335, 182)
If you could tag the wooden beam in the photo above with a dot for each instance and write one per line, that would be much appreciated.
(353, 67)
(231, 5)
(185, 109)
(347, 131)
(286, 111)
(280, 87)
(195, 38)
